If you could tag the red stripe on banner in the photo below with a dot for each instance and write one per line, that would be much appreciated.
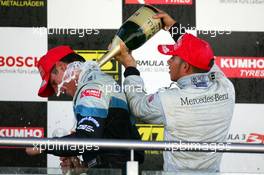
(241, 67)
(179, 2)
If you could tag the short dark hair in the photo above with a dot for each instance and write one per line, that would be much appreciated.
(72, 57)
(68, 59)
(198, 70)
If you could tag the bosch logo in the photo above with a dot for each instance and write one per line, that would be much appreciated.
(21, 132)
(18, 61)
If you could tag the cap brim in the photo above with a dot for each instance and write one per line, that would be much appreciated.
(45, 89)
(166, 49)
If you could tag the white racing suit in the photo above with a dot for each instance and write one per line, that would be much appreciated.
(198, 109)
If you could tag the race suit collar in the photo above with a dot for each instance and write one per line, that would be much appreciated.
(200, 80)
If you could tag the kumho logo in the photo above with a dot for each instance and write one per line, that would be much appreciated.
(21, 132)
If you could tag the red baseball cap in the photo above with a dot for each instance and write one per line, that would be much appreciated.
(46, 64)
(191, 49)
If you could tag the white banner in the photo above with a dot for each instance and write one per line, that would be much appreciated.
(246, 127)
(152, 64)
(235, 15)
(21, 48)
(61, 121)
(91, 14)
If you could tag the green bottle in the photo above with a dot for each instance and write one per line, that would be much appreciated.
(134, 32)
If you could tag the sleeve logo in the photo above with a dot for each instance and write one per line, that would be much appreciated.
(92, 93)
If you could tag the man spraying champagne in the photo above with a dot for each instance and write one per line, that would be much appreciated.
(198, 109)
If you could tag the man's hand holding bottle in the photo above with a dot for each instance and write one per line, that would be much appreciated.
(125, 58)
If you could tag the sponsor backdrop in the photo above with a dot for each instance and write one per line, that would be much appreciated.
(28, 28)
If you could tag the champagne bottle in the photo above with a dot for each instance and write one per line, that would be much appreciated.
(134, 32)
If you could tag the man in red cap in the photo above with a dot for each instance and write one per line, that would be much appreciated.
(100, 112)
(199, 109)
(52, 66)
